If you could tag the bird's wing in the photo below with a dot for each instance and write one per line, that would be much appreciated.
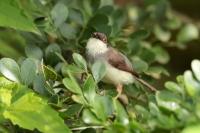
(119, 61)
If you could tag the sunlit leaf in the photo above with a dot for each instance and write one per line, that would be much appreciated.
(10, 69)
(80, 61)
(89, 89)
(12, 16)
(71, 84)
(187, 33)
(168, 100)
(196, 68)
(98, 70)
(192, 86)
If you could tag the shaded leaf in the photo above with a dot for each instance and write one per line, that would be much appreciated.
(68, 31)
(28, 71)
(33, 51)
(59, 14)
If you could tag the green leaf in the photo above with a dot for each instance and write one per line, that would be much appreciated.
(142, 111)
(33, 51)
(72, 68)
(71, 84)
(134, 46)
(140, 34)
(154, 110)
(187, 33)
(172, 86)
(147, 55)
(28, 71)
(76, 16)
(30, 112)
(80, 61)
(102, 107)
(100, 23)
(12, 16)
(162, 34)
(89, 118)
(10, 69)
(191, 129)
(50, 53)
(8, 51)
(168, 100)
(121, 115)
(196, 68)
(98, 70)
(139, 65)
(49, 73)
(59, 14)
(68, 31)
(39, 85)
(89, 89)
(161, 55)
(156, 71)
(192, 86)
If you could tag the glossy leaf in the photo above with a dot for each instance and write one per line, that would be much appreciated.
(10, 69)
(192, 86)
(88, 117)
(196, 68)
(168, 100)
(172, 86)
(121, 115)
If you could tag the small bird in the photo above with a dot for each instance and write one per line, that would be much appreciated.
(119, 70)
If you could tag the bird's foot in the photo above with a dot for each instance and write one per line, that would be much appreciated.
(119, 90)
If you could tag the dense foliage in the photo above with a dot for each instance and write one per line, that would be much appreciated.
(46, 85)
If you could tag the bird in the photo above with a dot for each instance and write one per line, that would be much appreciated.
(119, 70)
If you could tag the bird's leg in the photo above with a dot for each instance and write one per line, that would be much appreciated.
(119, 90)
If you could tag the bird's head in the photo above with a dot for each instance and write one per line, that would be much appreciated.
(100, 36)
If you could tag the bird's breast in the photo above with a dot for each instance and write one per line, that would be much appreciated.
(116, 76)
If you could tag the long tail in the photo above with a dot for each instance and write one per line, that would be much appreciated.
(145, 84)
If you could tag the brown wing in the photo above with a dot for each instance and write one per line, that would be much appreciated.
(119, 61)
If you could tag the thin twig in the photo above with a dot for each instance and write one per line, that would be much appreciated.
(82, 128)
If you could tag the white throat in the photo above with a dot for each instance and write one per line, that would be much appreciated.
(95, 47)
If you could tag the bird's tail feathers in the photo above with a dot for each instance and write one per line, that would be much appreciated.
(145, 84)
